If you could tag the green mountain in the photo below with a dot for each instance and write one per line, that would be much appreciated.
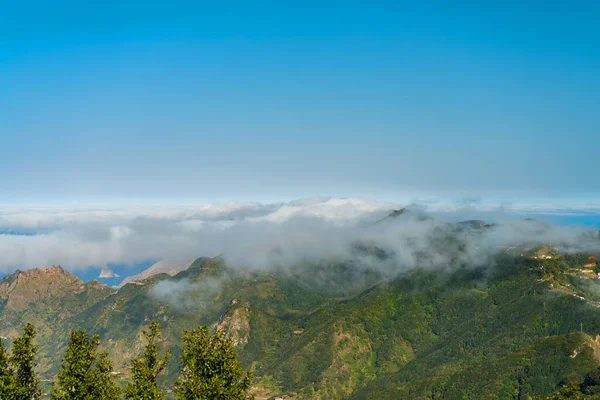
(509, 329)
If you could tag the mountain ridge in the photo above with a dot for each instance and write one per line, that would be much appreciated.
(164, 266)
(342, 330)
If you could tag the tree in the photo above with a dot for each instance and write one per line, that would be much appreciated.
(85, 374)
(569, 391)
(145, 371)
(210, 369)
(24, 381)
(6, 374)
(591, 384)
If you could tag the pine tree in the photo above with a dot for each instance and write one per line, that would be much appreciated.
(211, 370)
(145, 371)
(24, 381)
(85, 374)
(6, 374)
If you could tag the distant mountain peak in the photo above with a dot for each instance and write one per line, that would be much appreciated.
(161, 267)
(36, 284)
(405, 213)
(54, 271)
(397, 212)
(475, 223)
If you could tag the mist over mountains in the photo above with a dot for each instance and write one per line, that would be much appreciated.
(324, 298)
(262, 236)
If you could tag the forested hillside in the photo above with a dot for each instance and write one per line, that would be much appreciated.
(510, 329)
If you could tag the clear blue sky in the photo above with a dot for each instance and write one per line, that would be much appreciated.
(149, 101)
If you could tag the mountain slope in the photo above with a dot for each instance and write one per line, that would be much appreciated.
(342, 330)
(48, 298)
(161, 267)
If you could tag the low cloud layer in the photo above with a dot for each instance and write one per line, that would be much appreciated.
(79, 237)
(256, 235)
(183, 294)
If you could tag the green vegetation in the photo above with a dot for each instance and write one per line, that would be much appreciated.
(589, 389)
(18, 380)
(145, 371)
(25, 381)
(517, 327)
(210, 369)
(85, 373)
(5, 371)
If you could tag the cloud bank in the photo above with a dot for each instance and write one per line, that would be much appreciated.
(256, 235)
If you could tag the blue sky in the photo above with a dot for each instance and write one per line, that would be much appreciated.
(211, 101)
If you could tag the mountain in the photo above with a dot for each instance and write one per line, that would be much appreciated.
(161, 267)
(48, 298)
(342, 330)
(474, 223)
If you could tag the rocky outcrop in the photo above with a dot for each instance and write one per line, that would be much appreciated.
(36, 284)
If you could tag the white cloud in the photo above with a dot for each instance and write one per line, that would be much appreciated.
(251, 234)
(77, 237)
